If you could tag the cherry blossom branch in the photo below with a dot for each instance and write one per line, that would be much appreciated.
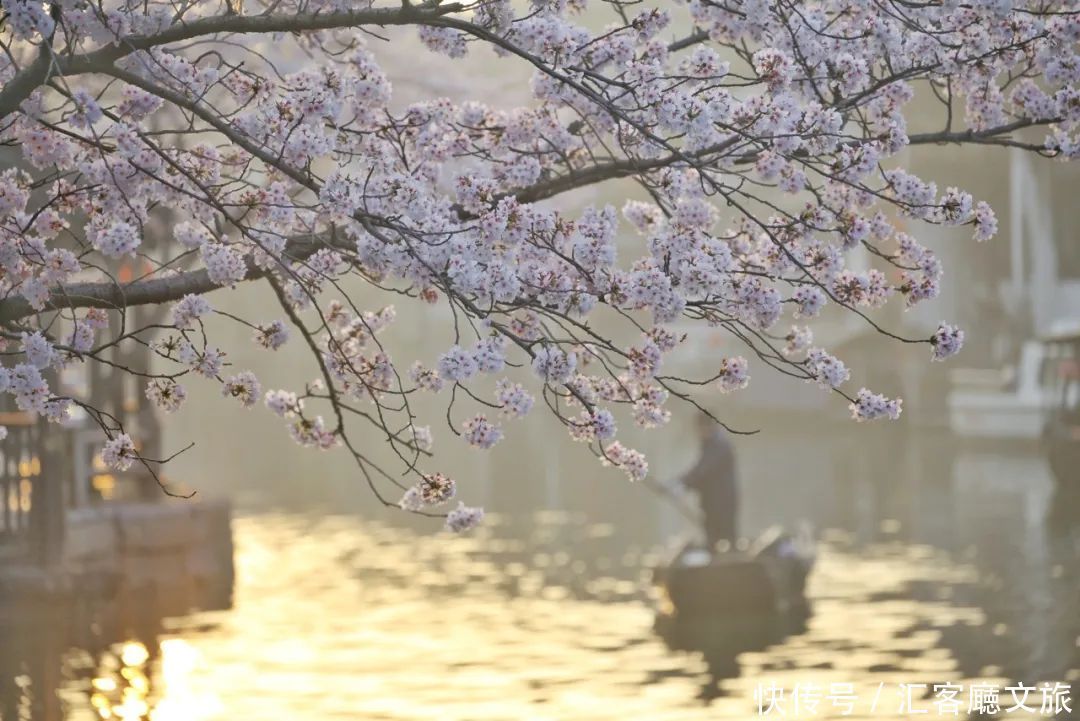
(46, 65)
(765, 137)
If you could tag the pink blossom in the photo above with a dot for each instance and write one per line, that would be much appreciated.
(119, 452)
(632, 462)
(733, 374)
(552, 365)
(426, 378)
(39, 351)
(464, 518)
(457, 365)
(117, 240)
(827, 370)
(166, 394)
(946, 341)
(481, 433)
(870, 406)
(592, 425)
(272, 335)
(244, 387)
(514, 400)
(189, 308)
(283, 403)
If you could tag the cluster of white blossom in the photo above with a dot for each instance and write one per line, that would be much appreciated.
(431, 490)
(868, 406)
(119, 452)
(166, 394)
(482, 433)
(464, 518)
(244, 387)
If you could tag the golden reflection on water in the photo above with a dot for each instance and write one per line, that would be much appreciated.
(125, 689)
(342, 618)
(122, 691)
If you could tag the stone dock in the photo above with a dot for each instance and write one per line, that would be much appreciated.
(89, 558)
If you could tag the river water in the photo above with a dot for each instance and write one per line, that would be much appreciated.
(549, 615)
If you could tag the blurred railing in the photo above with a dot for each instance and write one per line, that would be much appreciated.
(20, 474)
(46, 469)
(49, 469)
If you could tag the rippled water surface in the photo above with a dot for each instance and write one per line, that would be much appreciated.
(932, 568)
(338, 617)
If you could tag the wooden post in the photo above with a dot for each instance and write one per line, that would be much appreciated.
(146, 417)
(44, 660)
(49, 495)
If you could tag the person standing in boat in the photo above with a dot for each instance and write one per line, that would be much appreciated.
(714, 480)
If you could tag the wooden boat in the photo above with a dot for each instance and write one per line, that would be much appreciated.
(734, 600)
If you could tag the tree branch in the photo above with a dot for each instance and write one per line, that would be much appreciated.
(20, 87)
(116, 296)
(989, 136)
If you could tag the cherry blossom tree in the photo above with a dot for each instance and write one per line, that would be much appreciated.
(765, 136)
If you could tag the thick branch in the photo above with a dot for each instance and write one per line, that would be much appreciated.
(117, 296)
(20, 87)
(614, 169)
(991, 136)
(35, 75)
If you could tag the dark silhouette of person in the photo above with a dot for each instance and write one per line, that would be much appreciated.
(713, 479)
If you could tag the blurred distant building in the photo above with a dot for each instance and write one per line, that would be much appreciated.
(1026, 287)
(1043, 283)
